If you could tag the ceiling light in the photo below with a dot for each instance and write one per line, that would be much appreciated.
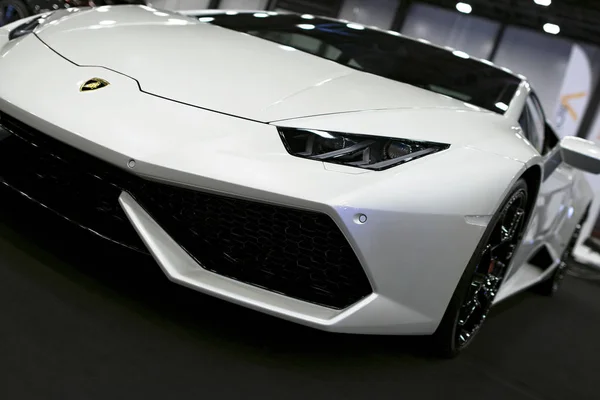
(464, 8)
(231, 13)
(306, 26)
(544, 3)
(261, 15)
(206, 19)
(552, 29)
(307, 16)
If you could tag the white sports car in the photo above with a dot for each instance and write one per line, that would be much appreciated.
(341, 177)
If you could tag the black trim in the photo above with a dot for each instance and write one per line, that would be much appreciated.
(541, 258)
(553, 162)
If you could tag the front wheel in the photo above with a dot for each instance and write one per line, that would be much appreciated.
(479, 284)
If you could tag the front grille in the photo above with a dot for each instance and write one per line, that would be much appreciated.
(75, 186)
(300, 254)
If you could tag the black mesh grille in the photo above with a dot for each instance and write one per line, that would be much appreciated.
(298, 253)
(75, 186)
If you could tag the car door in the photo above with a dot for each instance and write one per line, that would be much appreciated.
(555, 196)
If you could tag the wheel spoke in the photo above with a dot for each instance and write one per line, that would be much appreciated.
(512, 228)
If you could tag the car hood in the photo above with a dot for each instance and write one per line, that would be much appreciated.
(195, 63)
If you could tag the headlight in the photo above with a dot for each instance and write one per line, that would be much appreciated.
(370, 152)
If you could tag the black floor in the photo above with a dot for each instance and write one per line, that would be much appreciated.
(82, 320)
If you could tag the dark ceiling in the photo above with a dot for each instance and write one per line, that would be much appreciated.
(578, 19)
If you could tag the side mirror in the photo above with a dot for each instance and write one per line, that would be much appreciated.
(581, 154)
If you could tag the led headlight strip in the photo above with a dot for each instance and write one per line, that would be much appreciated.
(361, 151)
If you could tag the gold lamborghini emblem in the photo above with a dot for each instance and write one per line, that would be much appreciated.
(93, 84)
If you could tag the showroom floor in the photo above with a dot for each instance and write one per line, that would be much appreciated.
(82, 320)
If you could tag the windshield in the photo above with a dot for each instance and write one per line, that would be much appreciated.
(384, 54)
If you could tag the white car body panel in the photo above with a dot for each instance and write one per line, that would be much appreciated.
(562, 198)
(214, 135)
(319, 87)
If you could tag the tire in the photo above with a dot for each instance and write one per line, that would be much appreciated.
(12, 10)
(550, 286)
(483, 276)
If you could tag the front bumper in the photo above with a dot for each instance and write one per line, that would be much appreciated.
(413, 249)
(379, 313)
(423, 218)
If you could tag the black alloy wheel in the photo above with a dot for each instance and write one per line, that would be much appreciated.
(481, 280)
(492, 267)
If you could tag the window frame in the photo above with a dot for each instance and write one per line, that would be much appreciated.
(525, 122)
(530, 107)
(538, 105)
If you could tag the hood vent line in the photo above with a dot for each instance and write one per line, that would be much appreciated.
(140, 87)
